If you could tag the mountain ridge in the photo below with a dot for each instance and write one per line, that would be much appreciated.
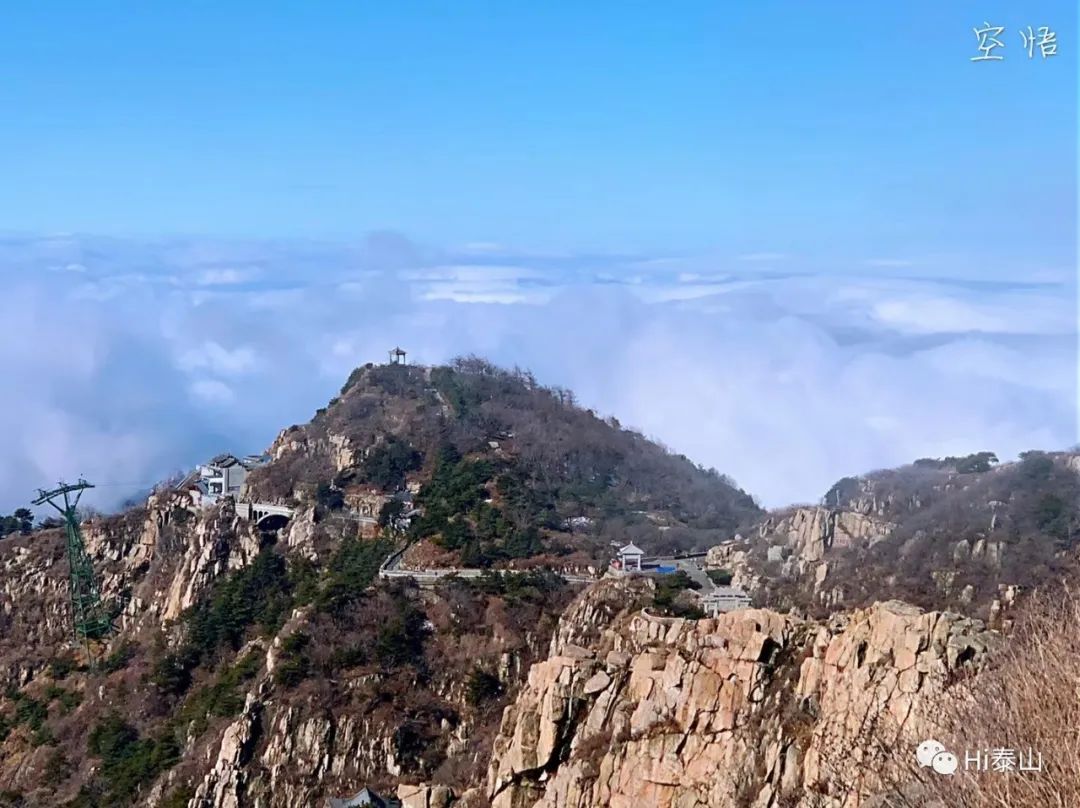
(544, 459)
(273, 667)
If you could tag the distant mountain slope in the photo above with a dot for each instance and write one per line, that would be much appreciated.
(940, 533)
(508, 468)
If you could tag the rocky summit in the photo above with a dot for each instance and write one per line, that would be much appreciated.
(429, 596)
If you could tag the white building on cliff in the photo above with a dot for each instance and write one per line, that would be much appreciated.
(222, 476)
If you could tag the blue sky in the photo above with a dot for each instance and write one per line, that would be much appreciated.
(825, 127)
(794, 241)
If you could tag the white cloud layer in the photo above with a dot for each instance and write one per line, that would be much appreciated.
(151, 356)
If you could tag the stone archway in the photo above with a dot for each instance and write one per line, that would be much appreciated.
(272, 522)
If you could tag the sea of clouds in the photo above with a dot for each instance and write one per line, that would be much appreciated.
(127, 360)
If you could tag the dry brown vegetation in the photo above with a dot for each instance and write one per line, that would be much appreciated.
(1027, 698)
(559, 460)
(1026, 512)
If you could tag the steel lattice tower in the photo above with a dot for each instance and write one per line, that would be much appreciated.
(90, 619)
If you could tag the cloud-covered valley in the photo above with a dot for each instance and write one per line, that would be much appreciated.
(126, 360)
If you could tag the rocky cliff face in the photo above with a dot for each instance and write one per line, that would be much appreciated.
(283, 744)
(272, 668)
(152, 563)
(811, 532)
(751, 708)
(926, 534)
(798, 544)
(627, 709)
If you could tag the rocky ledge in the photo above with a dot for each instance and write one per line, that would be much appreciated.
(750, 708)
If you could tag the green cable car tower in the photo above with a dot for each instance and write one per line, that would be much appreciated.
(90, 619)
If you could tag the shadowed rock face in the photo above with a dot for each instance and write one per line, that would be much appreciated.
(740, 709)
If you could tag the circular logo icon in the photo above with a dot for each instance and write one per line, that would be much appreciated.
(945, 763)
(926, 751)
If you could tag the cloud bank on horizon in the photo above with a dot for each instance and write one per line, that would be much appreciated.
(127, 360)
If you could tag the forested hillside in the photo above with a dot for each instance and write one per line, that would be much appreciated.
(508, 468)
(271, 663)
(956, 532)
